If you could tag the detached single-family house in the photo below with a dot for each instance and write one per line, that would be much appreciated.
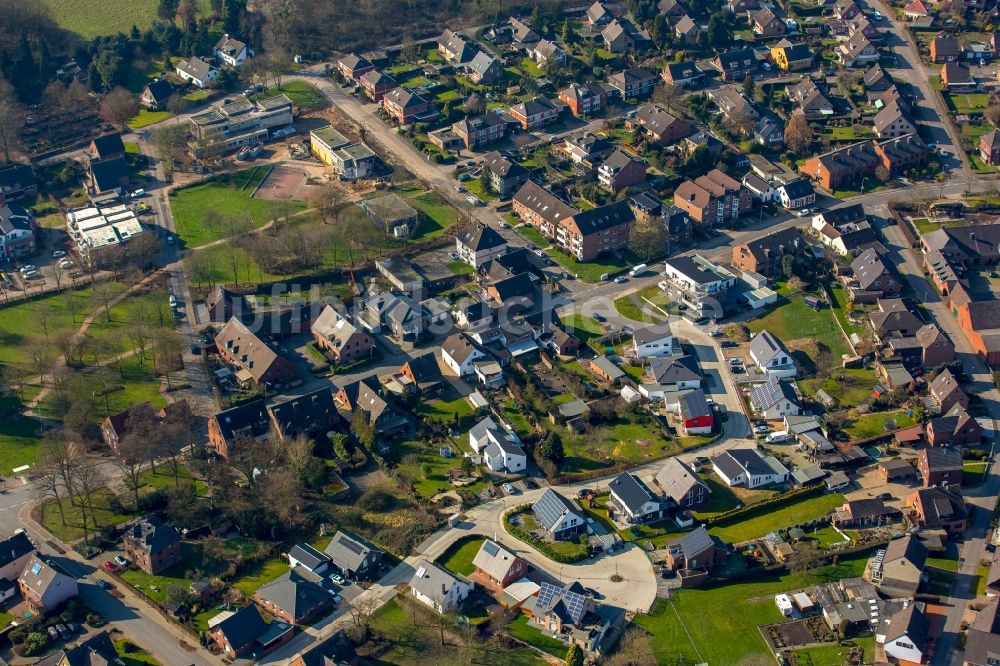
(899, 569)
(44, 589)
(939, 509)
(559, 515)
(695, 414)
(775, 399)
(155, 95)
(339, 339)
(152, 545)
(906, 638)
(197, 72)
(696, 550)
(353, 557)
(746, 467)
(244, 632)
(632, 501)
(479, 244)
(569, 615)
(439, 589)
(940, 466)
(771, 357)
(232, 51)
(500, 448)
(459, 353)
(679, 483)
(295, 597)
(15, 551)
(654, 340)
(305, 556)
(353, 67)
(497, 567)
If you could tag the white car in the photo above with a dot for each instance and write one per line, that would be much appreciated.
(503, 225)
(509, 489)
(57, 254)
(27, 268)
(66, 263)
(338, 579)
(122, 561)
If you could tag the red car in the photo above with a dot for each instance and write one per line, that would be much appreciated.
(110, 566)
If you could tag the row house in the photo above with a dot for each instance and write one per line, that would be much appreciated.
(376, 84)
(841, 166)
(737, 64)
(353, 67)
(536, 112)
(902, 154)
(891, 122)
(477, 130)
(989, 148)
(407, 106)
(682, 74)
(768, 22)
(633, 83)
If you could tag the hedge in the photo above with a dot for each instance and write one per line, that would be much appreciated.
(538, 544)
(769, 504)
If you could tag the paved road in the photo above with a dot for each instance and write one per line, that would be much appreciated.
(983, 496)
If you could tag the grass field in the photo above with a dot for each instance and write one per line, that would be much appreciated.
(428, 469)
(722, 623)
(634, 308)
(588, 271)
(73, 529)
(799, 512)
(451, 409)
(848, 386)
(228, 199)
(973, 472)
(259, 574)
(133, 655)
(302, 94)
(90, 18)
(794, 320)
(968, 103)
(18, 439)
(869, 425)
(145, 118)
(835, 655)
(621, 442)
(458, 558)
(437, 216)
(521, 630)
(583, 327)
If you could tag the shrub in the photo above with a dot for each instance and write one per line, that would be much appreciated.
(35, 642)
(94, 620)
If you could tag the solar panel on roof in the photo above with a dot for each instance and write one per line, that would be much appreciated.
(352, 546)
(491, 548)
(421, 572)
(36, 568)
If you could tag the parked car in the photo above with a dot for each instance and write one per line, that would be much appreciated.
(63, 632)
(529, 484)
(53, 633)
(110, 566)
(459, 188)
(122, 561)
(726, 344)
(66, 263)
(621, 279)
(503, 225)
(584, 492)
(58, 254)
(761, 430)
(104, 585)
(509, 489)
(336, 598)
(28, 267)
(338, 579)
(75, 628)
(599, 317)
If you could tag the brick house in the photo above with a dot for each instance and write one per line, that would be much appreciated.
(956, 427)
(989, 148)
(658, 124)
(940, 466)
(584, 99)
(376, 84)
(713, 199)
(901, 154)
(696, 550)
(295, 597)
(621, 170)
(152, 545)
(841, 166)
(497, 567)
(737, 64)
(764, 254)
(536, 112)
(945, 48)
(407, 106)
(247, 421)
(239, 346)
(339, 339)
(353, 67)
(244, 632)
(939, 509)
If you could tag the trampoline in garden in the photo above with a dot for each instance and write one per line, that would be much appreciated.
(873, 452)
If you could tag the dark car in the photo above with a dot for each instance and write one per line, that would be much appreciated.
(585, 492)
(196, 350)
(530, 484)
(105, 585)
(726, 344)
(599, 317)
(991, 548)
(63, 632)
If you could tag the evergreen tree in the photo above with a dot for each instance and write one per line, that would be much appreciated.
(552, 449)
(24, 73)
(568, 36)
(45, 68)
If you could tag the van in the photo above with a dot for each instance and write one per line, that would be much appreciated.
(777, 437)
(638, 270)
(138, 193)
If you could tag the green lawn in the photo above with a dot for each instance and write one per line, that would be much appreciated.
(259, 574)
(583, 327)
(447, 96)
(476, 187)
(5, 618)
(794, 320)
(968, 103)
(145, 118)
(90, 18)
(840, 306)
(155, 586)
(197, 96)
(427, 468)
(835, 655)
(124, 390)
(588, 271)
(133, 655)
(450, 408)
(634, 308)
(460, 268)
(846, 134)
(411, 638)
(973, 472)
(164, 478)
(870, 425)
(799, 512)
(720, 498)
(437, 215)
(848, 386)
(73, 529)
(302, 93)
(228, 199)
(616, 443)
(521, 630)
(825, 537)
(722, 623)
(531, 68)
(458, 558)
(18, 437)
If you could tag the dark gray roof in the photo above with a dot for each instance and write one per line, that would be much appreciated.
(307, 414)
(696, 542)
(160, 90)
(348, 551)
(764, 396)
(764, 347)
(604, 217)
(480, 237)
(676, 369)
(242, 627)
(108, 145)
(569, 604)
(552, 507)
(651, 333)
(296, 592)
(15, 547)
(693, 404)
(631, 491)
(151, 536)
(911, 623)
(744, 460)
(502, 166)
(249, 419)
(108, 174)
(308, 556)
(798, 188)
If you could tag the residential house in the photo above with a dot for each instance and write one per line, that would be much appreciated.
(857, 51)
(621, 170)
(544, 52)
(477, 130)
(877, 79)
(559, 516)
(767, 22)
(989, 148)
(256, 359)
(296, 596)
(587, 234)
(940, 466)
(44, 589)
(659, 125)
(244, 633)
(864, 513)
(982, 644)
(632, 501)
(939, 509)
(397, 314)
(683, 74)
(15, 551)
(587, 148)
(354, 557)
(584, 99)
(479, 244)
(536, 113)
(872, 278)
(308, 558)
(391, 213)
(229, 427)
(907, 636)
(634, 83)
(459, 353)
(733, 103)
(454, 48)
(842, 166)
(153, 546)
(605, 370)
(736, 64)
(945, 48)
(232, 51)
(898, 568)
(893, 319)
(654, 340)
(890, 122)
(678, 224)
(699, 284)
(946, 393)
(956, 76)
(484, 69)
(106, 147)
(16, 181)
(933, 347)
(621, 36)
(506, 175)
(696, 550)
(796, 194)
(845, 230)
(846, 9)
(570, 615)
(473, 315)
(670, 376)
(687, 31)
(769, 132)
(497, 567)
(598, 14)
(17, 231)
(770, 356)
(774, 399)
(917, 10)
(223, 305)
(311, 414)
(813, 104)
(353, 66)
(672, 9)
(96, 650)
(376, 84)
(957, 427)
(679, 483)
(197, 72)
(694, 413)
(421, 374)
(764, 255)
(564, 344)
(407, 106)
(110, 175)
(713, 199)
(438, 589)
(339, 339)
(155, 95)
(367, 396)
(746, 467)
(500, 448)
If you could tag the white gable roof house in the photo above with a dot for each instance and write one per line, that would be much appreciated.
(746, 467)
(633, 499)
(231, 51)
(500, 448)
(775, 399)
(197, 72)
(655, 340)
(558, 515)
(460, 353)
(439, 589)
(771, 357)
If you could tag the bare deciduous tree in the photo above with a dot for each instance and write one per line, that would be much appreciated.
(118, 107)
